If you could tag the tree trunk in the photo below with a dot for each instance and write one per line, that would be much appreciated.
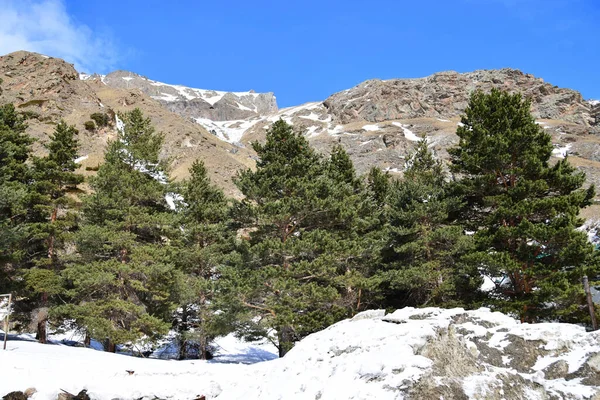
(183, 328)
(51, 238)
(203, 344)
(286, 340)
(87, 340)
(42, 333)
(110, 346)
(183, 354)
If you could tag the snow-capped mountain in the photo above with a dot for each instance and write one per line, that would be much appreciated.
(197, 103)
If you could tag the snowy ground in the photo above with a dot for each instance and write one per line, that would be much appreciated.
(421, 353)
(57, 366)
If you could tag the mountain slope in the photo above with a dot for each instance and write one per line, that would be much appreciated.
(378, 122)
(52, 90)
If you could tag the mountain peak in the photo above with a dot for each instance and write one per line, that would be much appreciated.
(198, 103)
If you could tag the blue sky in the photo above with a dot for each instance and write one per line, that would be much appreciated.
(306, 50)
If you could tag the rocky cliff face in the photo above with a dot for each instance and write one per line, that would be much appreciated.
(50, 90)
(446, 95)
(595, 111)
(197, 103)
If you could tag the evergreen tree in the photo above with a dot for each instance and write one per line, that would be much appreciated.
(420, 258)
(15, 176)
(120, 287)
(378, 186)
(524, 210)
(53, 218)
(301, 216)
(206, 240)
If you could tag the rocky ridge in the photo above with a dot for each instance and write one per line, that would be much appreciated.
(378, 122)
(446, 95)
(595, 111)
(197, 103)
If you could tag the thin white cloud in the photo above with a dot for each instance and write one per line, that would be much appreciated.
(44, 26)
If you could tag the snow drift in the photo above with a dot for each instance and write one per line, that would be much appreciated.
(409, 354)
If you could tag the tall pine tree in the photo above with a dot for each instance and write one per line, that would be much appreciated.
(121, 285)
(524, 210)
(422, 245)
(53, 178)
(206, 241)
(15, 176)
(301, 216)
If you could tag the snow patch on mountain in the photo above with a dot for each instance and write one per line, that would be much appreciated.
(370, 128)
(287, 113)
(408, 134)
(228, 131)
(311, 131)
(561, 151)
(210, 96)
(80, 159)
(394, 170)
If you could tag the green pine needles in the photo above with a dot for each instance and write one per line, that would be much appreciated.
(524, 210)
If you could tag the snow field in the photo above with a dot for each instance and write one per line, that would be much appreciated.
(371, 356)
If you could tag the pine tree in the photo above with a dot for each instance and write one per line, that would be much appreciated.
(206, 240)
(15, 175)
(120, 288)
(378, 186)
(301, 217)
(524, 210)
(54, 218)
(421, 256)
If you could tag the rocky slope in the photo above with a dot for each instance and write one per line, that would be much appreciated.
(595, 111)
(428, 353)
(378, 122)
(51, 90)
(446, 95)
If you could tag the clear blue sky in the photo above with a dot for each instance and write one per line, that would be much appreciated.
(306, 50)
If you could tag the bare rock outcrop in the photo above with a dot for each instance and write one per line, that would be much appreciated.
(446, 95)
